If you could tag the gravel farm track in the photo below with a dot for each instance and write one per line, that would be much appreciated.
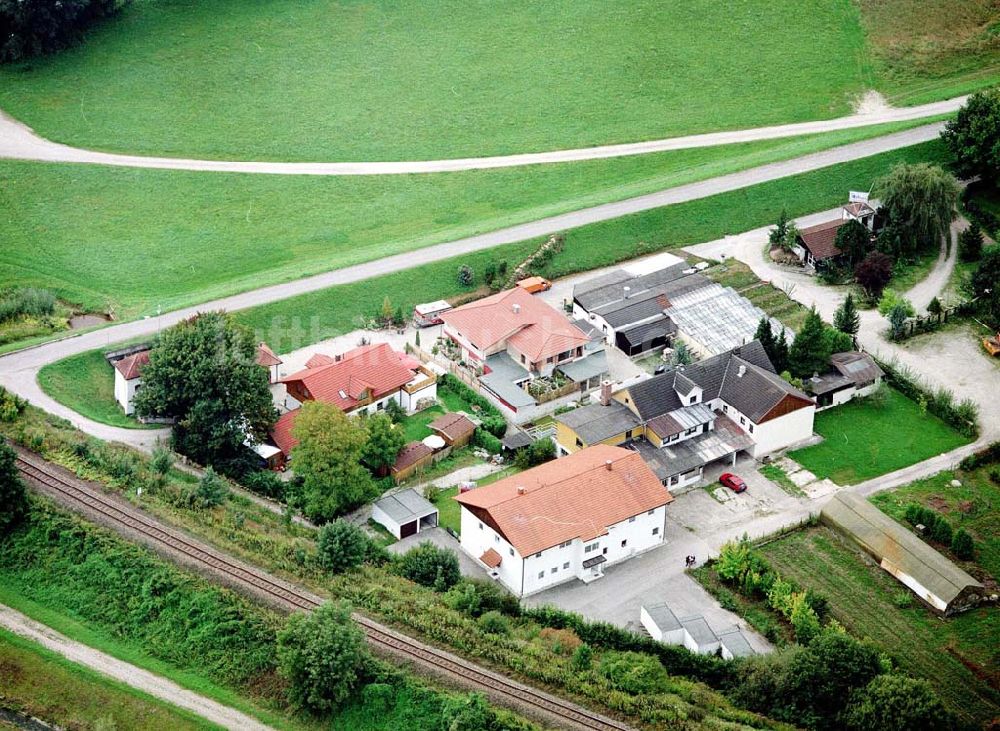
(90, 500)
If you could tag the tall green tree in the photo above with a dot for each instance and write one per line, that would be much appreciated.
(13, 497)
(973, 137)
(896, 703)
(385, 440)
(847, 319)
(854, 241)
(765, 335)
(985, 287)
(35, 27)
(921, 200)
(970, 243)
(778, 234)
(203, 372)
(322, 656)
(328, 459)
(810, 351)
(780, 359)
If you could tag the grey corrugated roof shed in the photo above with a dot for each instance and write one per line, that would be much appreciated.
(886, 539)
(406, 506)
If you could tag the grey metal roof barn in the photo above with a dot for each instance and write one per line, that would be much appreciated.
(935, 579)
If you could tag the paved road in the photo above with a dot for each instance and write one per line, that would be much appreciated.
(123, 672)
(18, 371)
(17, 141)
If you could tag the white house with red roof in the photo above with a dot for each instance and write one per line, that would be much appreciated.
(128, 378)
(512, 338)
(364, 379)
(566, 519)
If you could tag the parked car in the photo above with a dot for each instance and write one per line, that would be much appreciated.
(532, 285)
(733, 482)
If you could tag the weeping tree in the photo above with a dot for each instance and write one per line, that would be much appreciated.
(920, 200)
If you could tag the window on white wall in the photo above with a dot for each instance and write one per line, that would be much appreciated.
(651, 511)
(541, 574)
(480, 526)
(624, 543)
(554, 569)
(511, 551)
(538, 555)
(656, 531)
(566, 565)
(496, 539)
(632, 519)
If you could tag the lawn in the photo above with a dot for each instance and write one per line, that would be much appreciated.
(86, 383)
(862, 440)
(956, 655)
(921, 50)
(128, 241)
(415, 425)
(450, 512)
(446, 78)
(973, 506)
(42, 684)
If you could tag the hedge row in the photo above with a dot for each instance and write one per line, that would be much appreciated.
(492, 419)
(962, 416)
(985, 456)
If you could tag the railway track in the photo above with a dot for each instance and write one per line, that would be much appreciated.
(518, 696)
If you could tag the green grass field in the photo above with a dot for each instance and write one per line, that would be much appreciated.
(973, 506)
(86, 383)
(862, 441)
(956, 655)
(42, 684)
(386, 80)
(130, 240)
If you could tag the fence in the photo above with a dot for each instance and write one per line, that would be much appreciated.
(927, 323)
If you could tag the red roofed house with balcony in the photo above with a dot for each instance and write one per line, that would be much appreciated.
(515, 338)
(566, 519)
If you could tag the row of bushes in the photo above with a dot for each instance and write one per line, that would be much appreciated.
(988, 455)
(962, 416)
(986, 218)
(746, 570)
(491, 418)
(938, 529)
(26, 301)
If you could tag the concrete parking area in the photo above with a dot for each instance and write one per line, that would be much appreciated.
(441, 538)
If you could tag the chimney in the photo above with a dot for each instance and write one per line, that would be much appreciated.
(516, 308)
(741, 371)
(605, 393)
(520, 490)
(625, 290)
(608, 465)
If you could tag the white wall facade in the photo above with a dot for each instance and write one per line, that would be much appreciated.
(125, 392)
(784, 431)
(558, 564)
(409, 401)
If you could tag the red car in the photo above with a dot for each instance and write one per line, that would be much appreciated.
(733, 482)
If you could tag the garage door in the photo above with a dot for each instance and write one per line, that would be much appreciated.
(407, 529)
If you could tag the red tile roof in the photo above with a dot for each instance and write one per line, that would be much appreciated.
(571, 497)
(491, 558)
(453, 426)
(410, 454)
(819, 239)
(131, 365)
(377, 369)
(266, 356)
(535, 329)
(281, 432)
(318, 360)
(859, 209)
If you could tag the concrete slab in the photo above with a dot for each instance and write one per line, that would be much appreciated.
(801, 478)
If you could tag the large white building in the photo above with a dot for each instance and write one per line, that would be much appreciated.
(566, 519)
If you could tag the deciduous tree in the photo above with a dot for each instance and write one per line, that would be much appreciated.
(873, 274)
(203, 372)
(853, 240)
(342, 546)
(13, 497)
(985, 286)
(921, 201)
(432, 566)
(385, 440)
(973, 137)
(321, 655)
(34, 27)
(328, 459)
(896, 703)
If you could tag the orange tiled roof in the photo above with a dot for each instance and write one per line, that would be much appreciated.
(571, 497)
(536, 329)
(131, 365)
(820, 239)
(375, 368)
(266, 356)
(281, 432)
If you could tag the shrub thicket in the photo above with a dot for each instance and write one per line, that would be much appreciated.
(962, 416)
(432, 566)
(26, 301)
(342, 546)
(35, 27)
(491, 418)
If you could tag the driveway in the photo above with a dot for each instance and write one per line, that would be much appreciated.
(441, 538)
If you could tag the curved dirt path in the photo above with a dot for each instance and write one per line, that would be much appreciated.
(19, 370)
(123, 672)
(18, 141)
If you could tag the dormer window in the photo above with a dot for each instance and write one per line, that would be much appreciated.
(694, 399)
